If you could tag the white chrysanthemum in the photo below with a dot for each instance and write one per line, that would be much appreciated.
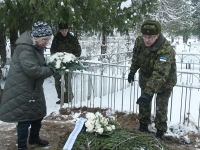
(68, 58)
(104, 122)
(90, 115)
(99, 130)
(48, 59)
(60, 61)
(58, 64)
(92, 121)
(113, 127)
(97, 125)
(60, 58)
(60, 54)
(53, 57)
(89, 124)
(90, 130)
(98, 114)
(109, 128)
(73, 57)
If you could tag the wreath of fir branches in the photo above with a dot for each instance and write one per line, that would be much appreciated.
(121, 139)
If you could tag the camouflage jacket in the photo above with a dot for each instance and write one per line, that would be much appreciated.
(67, 44)
(156, 64)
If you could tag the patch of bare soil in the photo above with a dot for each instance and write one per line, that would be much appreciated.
(56, 125)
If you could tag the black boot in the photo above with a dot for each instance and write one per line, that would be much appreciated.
(143, 127)
(38, 141)
(22, 147)
(159, 134)
(58, 102)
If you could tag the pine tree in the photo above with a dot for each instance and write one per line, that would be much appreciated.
(89, 16)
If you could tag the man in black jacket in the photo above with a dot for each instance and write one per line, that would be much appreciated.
(64, 41)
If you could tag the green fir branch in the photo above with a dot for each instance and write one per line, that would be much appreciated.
(121, 139)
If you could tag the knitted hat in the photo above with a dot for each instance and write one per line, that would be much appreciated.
(151, 27)
(41, 29)
(63, 26)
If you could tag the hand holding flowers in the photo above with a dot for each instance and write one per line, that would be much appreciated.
(61, 61)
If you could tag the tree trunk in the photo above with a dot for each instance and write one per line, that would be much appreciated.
(13, 38)
(104, 42)
(3, 46)
(185, 39)
(172, 39)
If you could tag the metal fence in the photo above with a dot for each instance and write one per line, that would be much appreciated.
(105, 85)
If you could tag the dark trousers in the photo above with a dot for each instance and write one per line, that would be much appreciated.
(68, 95)
(22, 130)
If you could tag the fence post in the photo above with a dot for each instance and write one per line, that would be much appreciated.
(62, 89)
(188, 65)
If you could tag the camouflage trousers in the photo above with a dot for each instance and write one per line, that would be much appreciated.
(160, 121)
(68, 95)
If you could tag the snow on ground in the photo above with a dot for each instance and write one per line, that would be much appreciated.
(175, 129)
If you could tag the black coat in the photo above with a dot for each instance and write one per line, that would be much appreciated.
(67, 44)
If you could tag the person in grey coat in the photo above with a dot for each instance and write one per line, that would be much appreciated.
(23, 98)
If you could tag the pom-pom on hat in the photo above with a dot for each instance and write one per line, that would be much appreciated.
(151, 27)
(63, 26)
(41, 29)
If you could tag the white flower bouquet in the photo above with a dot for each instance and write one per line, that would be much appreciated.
(99, 125)
(61, 61)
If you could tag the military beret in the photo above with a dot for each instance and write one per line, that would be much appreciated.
(150, 27)
(63, 26)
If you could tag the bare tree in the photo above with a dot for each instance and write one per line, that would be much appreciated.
(175, 17)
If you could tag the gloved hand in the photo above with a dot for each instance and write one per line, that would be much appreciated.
(131, 77)
(51, 66)
(144, 99)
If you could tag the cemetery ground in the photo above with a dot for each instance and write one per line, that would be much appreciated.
(55, 126)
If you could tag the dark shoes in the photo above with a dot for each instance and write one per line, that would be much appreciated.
(159, 134)
(143, 127)
(58, 102)
(22, 148)
(32, 141)
(38, 141)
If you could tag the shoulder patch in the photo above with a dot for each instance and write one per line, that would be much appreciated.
(162, 58)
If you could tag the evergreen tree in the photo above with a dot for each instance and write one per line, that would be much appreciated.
(89, 16)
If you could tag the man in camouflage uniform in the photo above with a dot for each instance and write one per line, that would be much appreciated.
(155, 58)
(3, 62)
(64, 41)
